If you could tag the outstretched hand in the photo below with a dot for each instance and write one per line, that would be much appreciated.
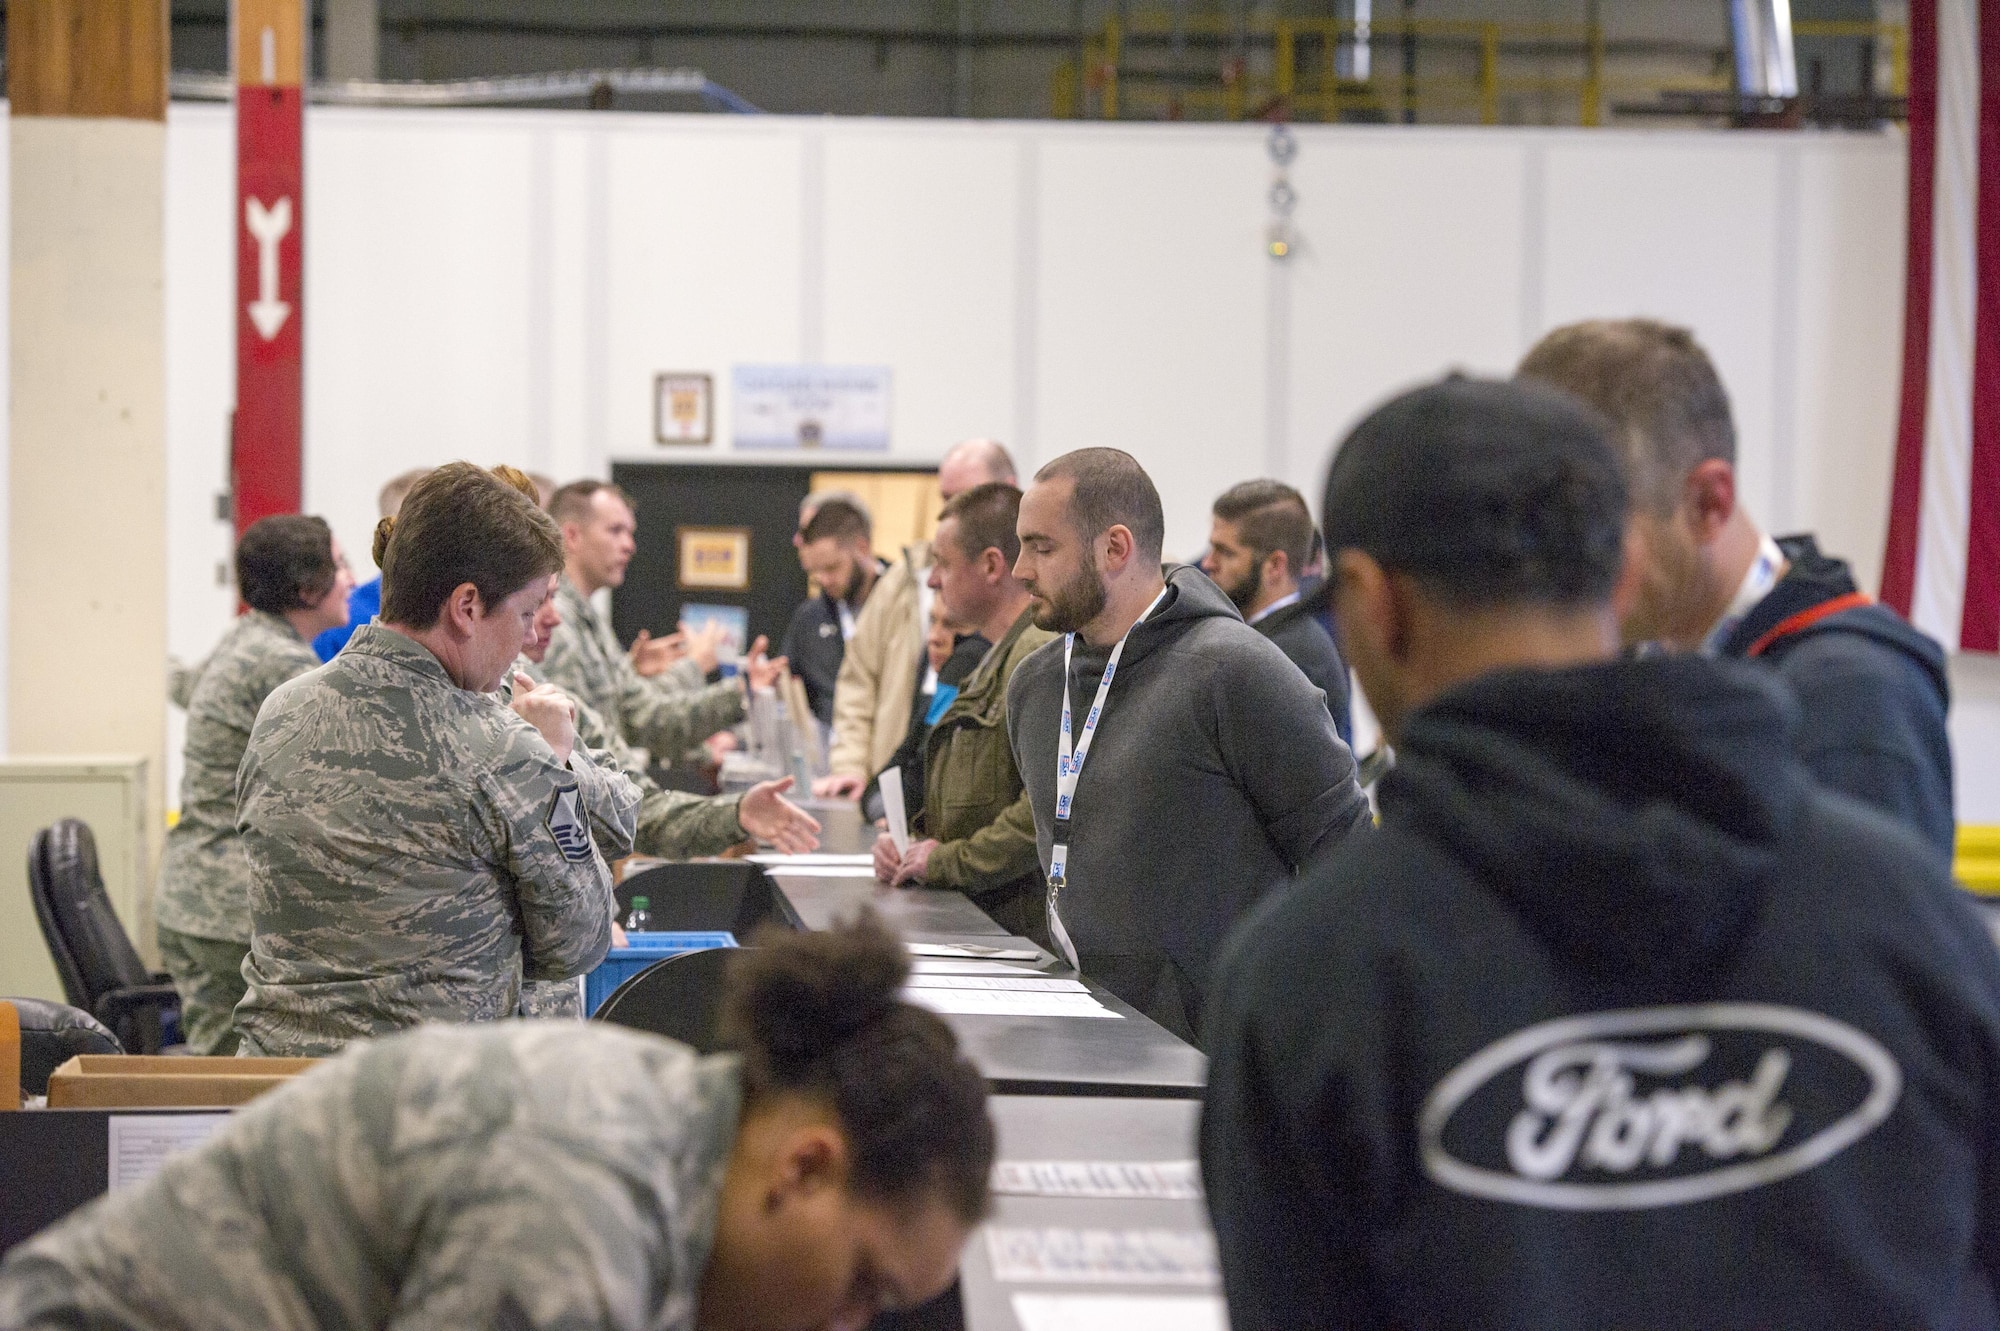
(652, 656)
(705, 644)
(763, 671)
(766, 814)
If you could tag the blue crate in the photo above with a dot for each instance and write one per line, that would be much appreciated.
(622, 963)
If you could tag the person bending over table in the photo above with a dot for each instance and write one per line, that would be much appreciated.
(530, 1175)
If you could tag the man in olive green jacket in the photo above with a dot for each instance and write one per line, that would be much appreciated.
(977, 829)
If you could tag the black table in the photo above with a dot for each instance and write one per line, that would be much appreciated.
(810, 902)
(54, 1160)
(842, 829)
(1128, 1055)
(1043, 1128)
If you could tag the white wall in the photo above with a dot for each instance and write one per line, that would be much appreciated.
(503, 285)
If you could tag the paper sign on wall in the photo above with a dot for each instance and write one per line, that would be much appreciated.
(842, 407)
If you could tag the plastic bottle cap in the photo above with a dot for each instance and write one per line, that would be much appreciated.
(640, 903)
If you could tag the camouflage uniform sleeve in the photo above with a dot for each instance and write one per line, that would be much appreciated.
(608, 748)
(563, 888)
(611, 799)
(684, 676)
(670, 723)
(678, 826)
(181, 679)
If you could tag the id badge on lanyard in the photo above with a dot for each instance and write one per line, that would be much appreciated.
(1069, 766)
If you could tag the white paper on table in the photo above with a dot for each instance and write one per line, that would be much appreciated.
(141, 1143)
(1102, 1256)
(827, 857)
(1137, 1180)
(823, 870)
(1120, 1312)
(985, 1003)
(1026, 984)
(947, 966)
(978, 951)
(890, 783)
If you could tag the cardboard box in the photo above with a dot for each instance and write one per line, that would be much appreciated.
(142, 1081)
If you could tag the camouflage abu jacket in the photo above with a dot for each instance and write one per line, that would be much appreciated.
(518, 1176)
(673, 824)
(415, 853)
(663, 715)
(204, 879)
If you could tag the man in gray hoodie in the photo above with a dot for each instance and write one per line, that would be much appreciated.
(1186, 768)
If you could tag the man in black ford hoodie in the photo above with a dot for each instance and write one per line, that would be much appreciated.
(1872, 689)
(1213, 770)
(1620, 1020)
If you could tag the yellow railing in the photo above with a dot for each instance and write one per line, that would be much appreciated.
(1320, 93)
(1978, 862)
(1897, 35)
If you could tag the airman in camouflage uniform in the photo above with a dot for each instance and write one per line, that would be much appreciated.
(203, 907)
(416, 853)
(513, 1176)
(662, 714)
(673, 824)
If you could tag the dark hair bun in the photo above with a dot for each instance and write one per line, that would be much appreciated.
(383, 530)
(795, 997)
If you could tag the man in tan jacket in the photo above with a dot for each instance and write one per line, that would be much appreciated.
(885, 657)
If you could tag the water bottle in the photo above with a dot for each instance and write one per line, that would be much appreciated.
(639, 921)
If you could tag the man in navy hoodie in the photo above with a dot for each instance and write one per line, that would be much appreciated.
(1872, 689)
(1622, 1020)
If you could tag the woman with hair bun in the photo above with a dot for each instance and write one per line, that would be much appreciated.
(419, 849)
(532, 1175)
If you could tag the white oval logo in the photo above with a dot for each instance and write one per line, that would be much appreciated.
(1613, 1106)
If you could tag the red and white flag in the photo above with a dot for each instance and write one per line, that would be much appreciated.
(1942, 567)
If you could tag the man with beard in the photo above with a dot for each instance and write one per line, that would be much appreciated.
(1714, 582)
(1621, 1019)
(1177, 764)
(1259, 540)
(837, 551)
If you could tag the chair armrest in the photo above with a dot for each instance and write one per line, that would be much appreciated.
(118, 1002)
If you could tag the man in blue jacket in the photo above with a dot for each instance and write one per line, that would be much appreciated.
(1621, 1019)
(1873, 689)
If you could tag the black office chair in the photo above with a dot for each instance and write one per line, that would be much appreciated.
(678, 997)
(100, 970)
(54, 1033)
(699, 896)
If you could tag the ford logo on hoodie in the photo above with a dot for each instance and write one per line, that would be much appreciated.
(1655, 1106)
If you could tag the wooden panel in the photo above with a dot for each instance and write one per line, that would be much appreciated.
(904, 505)
(97, 58)
(285, 20)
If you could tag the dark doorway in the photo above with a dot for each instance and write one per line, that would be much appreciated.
(762, 500)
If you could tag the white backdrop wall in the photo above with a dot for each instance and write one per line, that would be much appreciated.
(503, 286)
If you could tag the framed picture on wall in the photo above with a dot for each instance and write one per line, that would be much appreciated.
(683, 409)
(717, 557)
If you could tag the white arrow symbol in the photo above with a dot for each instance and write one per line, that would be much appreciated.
(269, 227)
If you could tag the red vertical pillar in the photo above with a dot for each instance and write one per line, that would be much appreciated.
(268, 41)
